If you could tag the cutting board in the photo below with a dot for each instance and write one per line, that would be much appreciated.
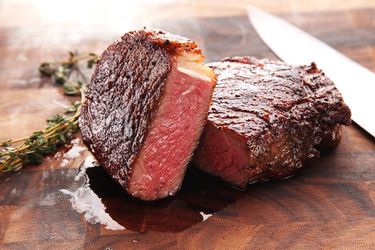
(328, 204)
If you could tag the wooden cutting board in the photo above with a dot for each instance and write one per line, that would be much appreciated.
(330, 204)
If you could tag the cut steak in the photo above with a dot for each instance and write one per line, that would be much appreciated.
(145, 109)
(267, 119)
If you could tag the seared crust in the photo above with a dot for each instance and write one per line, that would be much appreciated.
(285, 112)
(173, 43)
(124, 95)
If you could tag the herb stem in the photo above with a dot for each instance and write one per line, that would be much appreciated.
(15, 154)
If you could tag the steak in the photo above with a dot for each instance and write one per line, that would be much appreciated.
(145, 109)
(268, 119)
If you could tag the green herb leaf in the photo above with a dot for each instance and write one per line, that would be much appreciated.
(15, 154)
(47, 69)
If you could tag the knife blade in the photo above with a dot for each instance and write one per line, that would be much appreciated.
(294, 46)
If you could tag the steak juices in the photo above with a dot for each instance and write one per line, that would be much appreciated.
(148, 102)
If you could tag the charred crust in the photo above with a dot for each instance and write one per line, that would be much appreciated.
(124, 95)
(285, 112)
(313, 69)
(171, 43)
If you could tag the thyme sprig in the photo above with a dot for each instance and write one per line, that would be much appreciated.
(62, 71)
(33, 149)
(15, 154)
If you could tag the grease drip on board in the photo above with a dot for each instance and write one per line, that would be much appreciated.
(97, 197)
(83, 199)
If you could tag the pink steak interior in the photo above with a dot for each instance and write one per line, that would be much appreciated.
(223, 153)
(173, 135)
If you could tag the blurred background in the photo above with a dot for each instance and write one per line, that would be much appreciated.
(44, 23)
(32, 31)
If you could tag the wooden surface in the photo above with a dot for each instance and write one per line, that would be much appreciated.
(330, 204)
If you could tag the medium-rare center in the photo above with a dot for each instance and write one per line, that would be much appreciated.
(268, 119)
(145, 109)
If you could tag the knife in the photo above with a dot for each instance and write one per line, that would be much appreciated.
(294, 46)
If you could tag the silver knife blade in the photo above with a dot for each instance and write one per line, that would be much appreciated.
(294, 46)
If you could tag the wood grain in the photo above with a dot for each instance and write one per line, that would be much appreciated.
(330, 204)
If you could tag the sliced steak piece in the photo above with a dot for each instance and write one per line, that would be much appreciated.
(267, 119)
(145, 109)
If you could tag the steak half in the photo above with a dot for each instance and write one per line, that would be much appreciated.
(268, 119)
(145, 109)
